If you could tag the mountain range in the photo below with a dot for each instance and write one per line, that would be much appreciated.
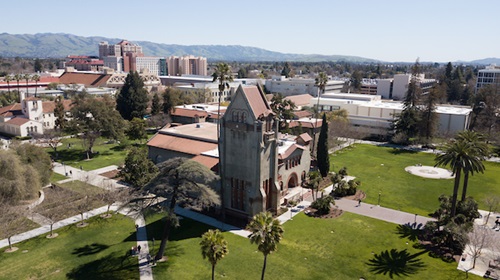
(59, 45)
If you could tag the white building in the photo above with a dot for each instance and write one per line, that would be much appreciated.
(397, 87)
(296, 86)
(376, 116)
(488, 76)
(155, 65)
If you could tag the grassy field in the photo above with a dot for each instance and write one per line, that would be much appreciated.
(312, 248)
(381, 169)
(105, 154)
(93, 252)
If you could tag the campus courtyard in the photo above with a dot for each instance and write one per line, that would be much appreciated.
(351, 246)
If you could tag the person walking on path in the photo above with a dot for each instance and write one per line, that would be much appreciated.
(359, 202)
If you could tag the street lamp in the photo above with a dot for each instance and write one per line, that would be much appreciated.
(378, 203)
(415, 220)
(65, 173)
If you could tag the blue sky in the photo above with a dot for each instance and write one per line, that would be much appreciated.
(392, 30)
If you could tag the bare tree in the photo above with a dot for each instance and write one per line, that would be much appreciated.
(493, 203)
(52, 208)
(82, 206)
(480, 238)
(12, 221)
(51, 138)
(110, 196)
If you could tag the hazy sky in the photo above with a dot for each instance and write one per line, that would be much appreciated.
(396, 30)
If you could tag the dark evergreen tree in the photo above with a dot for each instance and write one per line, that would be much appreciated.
(60, 122)
(38, 67)
(287, 70)
(155, 105)
(429, 116)
(322, 150)
(132, 101)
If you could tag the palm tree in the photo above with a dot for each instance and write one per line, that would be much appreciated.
(213, 247)
(320, 82)
(478, 150)
(27, 78)
(7, 79)
(18, 77)
(457, 154)
(181, 180)
(36, 78)
(266, 233)
(222, 74)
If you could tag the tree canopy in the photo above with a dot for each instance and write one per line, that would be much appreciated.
(132, 101)
(138, 170)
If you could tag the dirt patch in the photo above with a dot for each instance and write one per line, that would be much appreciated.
(113, 174)
(359, 195)
(334, 213)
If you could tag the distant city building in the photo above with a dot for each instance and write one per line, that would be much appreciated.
(83, 63)
(397, 87)
(488, 76)
(187, 65)
(296, 86)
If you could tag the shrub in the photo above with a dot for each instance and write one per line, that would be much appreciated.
(346, 188)
(323, 205)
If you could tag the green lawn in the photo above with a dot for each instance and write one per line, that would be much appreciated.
(311, 249)
(105, 154)
(93, 252)
(381, 170)
(56, 177)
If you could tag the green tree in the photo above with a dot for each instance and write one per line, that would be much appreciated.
(242, 73)
(223, 75)
(132, 101)
(322, 150)
(287, 70)
(155, 105)
(17, 180)
(266, 232)
(138, 169)
(320, 81)
(185, 181)
(27, 78)
(38, 67)
(93, 117)
(479, 151)
(283, 108)
(171, 98)
(8, 79)
(36, 79)
(457, 154)
(428, 114)
(356, 79)
(37, 158)
(59, 114)
(137, 129)
(213, 247)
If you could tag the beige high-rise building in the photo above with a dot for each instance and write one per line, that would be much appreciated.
(187, 65)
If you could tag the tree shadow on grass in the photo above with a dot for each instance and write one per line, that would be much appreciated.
(396, 263)
(91, 249)
(396, 151)
(410, 231)
(111, 267)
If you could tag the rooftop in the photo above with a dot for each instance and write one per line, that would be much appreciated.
(197, 131)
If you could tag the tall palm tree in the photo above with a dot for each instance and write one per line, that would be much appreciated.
(7, 79)
(27, 78)
(18, 77)
(266, 233)
(457, 154)
(213, 247)
(222, 74)
(320, 81)
(36, 79)
(478, 150)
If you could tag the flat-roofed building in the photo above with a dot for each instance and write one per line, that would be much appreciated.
(488, 76)
(296, 86)
(375, 116)
(188, 64)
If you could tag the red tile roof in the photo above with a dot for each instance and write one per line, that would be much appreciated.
(257, 101)
(88, 79)
(10, 108)
(302, 114)
(178, 144)
(18, 121)
(49, 106)
(290, 151)
(190, 113)
(210, 162)
(305, 137)
(305, 124)
(300, 100)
